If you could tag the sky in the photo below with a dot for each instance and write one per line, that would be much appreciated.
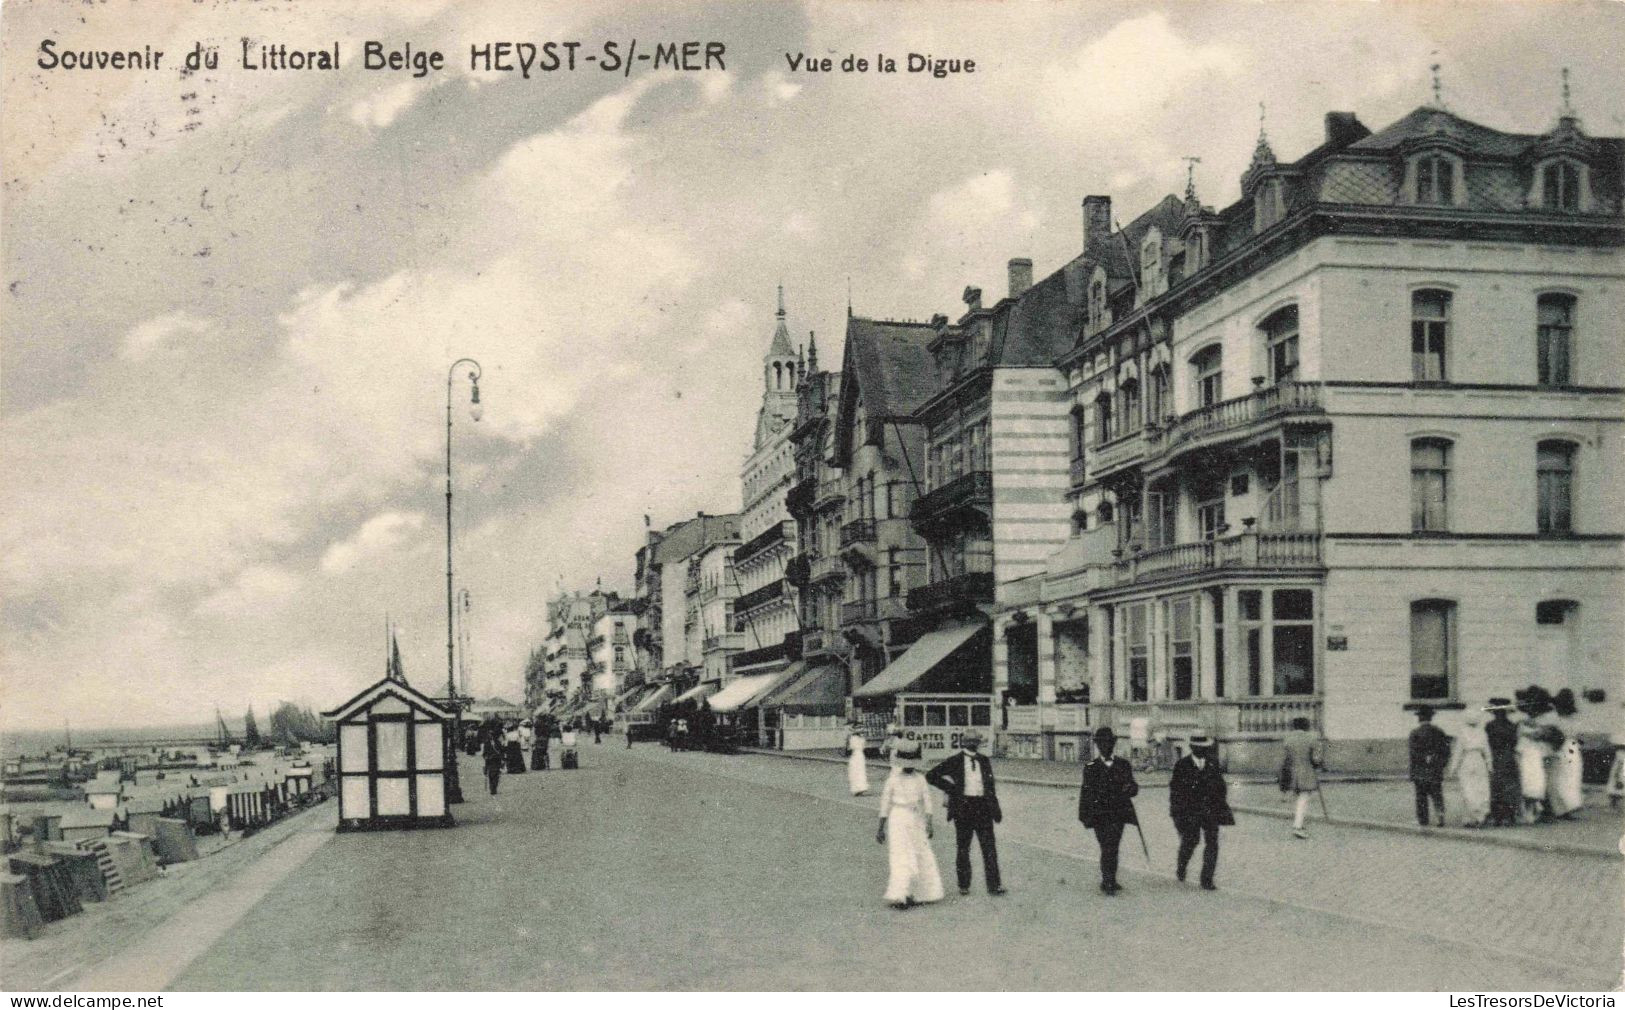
(232, 297)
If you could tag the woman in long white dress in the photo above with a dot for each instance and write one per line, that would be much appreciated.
(1471, 766)
(1531, 769)
(857, 767)
(1564, 792)
(905, 829)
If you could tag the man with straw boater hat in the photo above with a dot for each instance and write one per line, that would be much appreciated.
(1106, 803)
(1196, 801)
(973, 807)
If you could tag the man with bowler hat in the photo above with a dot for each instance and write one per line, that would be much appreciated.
(1196, 801)
(1430, 753)
(1106, 803)
(973, 807)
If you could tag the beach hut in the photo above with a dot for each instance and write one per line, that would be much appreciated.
(82, 868)
(104, 793)
(393, 741)
(55, 892)
(21, 916)
(141, 813)
(80, 825)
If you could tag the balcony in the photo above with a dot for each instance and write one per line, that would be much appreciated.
(1246, 550)
(731, 642)
(799, 499)
(831, 491)
(757, 597)
(755, 657)
(817, 641)
(881, 608)
(970, 491)
(771, 537)
(1239, 417)
(958, 592)
(1122, 451)
(826, 568)
(858, 531)
(1225, 718)
(797, 571)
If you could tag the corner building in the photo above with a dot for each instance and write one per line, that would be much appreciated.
(1347, 446)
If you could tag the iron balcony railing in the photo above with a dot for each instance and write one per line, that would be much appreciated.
(827, 567)
(831, 491)
(756, 597)
(968, 589)
(770, 537)
(881, 608)
(858, 531)
(970, 489)
(799, 499)
(729, 641)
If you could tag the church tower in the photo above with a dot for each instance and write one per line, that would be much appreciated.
(781, 374)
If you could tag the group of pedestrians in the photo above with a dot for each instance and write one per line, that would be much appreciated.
(1197, 804)
(1517, 772)
(504, 746)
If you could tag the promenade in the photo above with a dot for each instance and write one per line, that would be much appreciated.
(652, 869)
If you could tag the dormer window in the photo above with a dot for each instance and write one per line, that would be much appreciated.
(1151, 263)
(1268, 205)
(1097, 302)
(1435, 179)
(1560, 186)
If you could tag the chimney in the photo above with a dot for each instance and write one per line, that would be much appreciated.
(1021, 276)
(973, 298)
(1097, 220)
(1343, 129)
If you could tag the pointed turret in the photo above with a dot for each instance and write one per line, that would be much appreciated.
(812, 348)
(1263, 156)
(780, 348)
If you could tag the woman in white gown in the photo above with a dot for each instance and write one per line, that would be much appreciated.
(905, 829)
(1564, 793)
(1531, 769)
(1471, 765)
(857, 767)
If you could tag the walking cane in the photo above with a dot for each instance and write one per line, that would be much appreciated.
(1321, 793)
(1141, 832)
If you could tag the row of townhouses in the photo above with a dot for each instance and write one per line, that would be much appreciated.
(1343, 448)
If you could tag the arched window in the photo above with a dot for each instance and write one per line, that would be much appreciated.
(1430, 485)
(1208, 366)
(1103, 418)
(1433, 650)
(1560, 186)
(1430, 335)
(1554, 339)
(1281, 338)
(1554, 480)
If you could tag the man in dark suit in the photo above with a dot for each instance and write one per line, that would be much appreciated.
(973, 807)
(1106, 803)
(1196, 801)
(1430, 753)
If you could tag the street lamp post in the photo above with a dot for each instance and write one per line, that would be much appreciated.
(454, 787)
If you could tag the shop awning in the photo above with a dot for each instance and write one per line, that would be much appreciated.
(818, 691)
(697, 693)
(734, 696)
(921, 658)
(654, 699)
(787, 679)
(629, 699)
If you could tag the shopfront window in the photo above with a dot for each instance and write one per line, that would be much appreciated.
(1139, 652)
(1293, 634)
(1181, 620)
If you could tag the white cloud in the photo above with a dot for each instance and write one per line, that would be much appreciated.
(1119, 80)
(777, 88)
(382, 107)
(378, 535)
(255, 587)
(147, 337)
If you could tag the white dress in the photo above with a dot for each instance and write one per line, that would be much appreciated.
(857, 768)
(1563, 788)
(905, 802)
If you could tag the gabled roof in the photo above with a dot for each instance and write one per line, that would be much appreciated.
(1039, 326)
(392, 688)
(891, 364)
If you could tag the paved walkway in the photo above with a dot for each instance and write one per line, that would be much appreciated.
(648, 869)
(1384, 803)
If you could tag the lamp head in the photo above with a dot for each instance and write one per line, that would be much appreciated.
(475, 410)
